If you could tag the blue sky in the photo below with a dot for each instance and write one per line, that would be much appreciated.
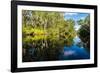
(75, 16)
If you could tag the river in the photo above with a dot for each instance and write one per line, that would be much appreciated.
(75, 51)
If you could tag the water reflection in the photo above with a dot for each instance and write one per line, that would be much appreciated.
(55, 49)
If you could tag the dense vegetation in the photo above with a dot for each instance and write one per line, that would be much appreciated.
(46, 33)
(84, 32)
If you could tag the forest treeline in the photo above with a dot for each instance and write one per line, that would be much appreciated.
(84, 31)
(47, 33)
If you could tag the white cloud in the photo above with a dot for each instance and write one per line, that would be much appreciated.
(82, 18)
(71, 14)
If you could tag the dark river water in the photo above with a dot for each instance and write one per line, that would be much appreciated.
(75, 51)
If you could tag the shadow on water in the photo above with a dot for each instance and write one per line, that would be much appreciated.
(55, 49)
(74, 53)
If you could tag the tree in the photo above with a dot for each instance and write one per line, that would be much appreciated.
(80, 22)
(47, 32)
(84, 32)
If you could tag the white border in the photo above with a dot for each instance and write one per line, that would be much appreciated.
(52, 63)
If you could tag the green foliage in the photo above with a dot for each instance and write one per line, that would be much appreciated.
(47, 32)
(84, 32)
(80, 22)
